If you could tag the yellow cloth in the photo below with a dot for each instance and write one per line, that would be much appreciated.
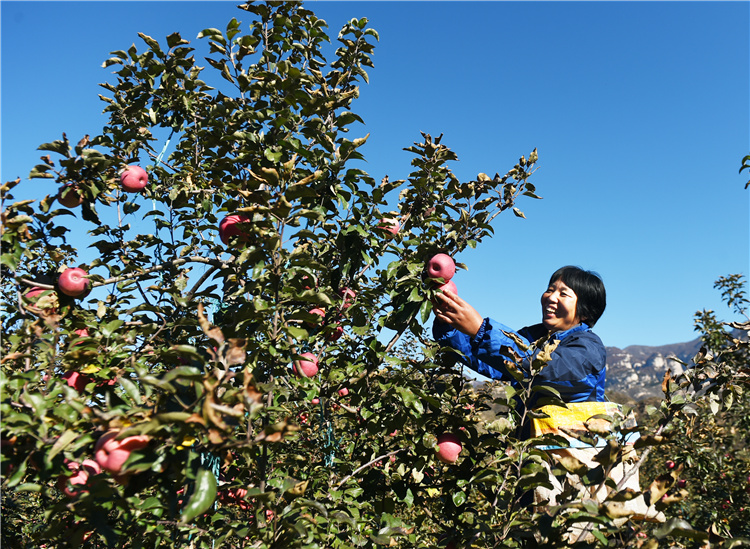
(574, 418)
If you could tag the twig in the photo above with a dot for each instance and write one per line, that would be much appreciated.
(358, 469)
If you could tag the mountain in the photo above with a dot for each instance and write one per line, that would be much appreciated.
(635, 373)
(638, 370)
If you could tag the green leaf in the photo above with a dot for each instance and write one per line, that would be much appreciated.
(204, 495)
(212, 33)
(425, 310)
(153, 44)
(458, 498)
(111, 327)
(60, 444)
(10, 261)
(130, 388)
(60, 147)
(678, 527)
(300, 334)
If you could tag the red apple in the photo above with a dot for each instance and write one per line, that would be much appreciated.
(34, 293)
(348, 296)
(450, 286)
(82, 473)
(390, 224)
(33, 298)
(231, 226)
(315, 401)
(337, 332)
(133, 179)
(111, 453)
(307, 367)
(448, 448)
(670, 464)
(343, 391)
(319, 312)
(73, 282)
(70, 196)
(76, 380)
(441, 266)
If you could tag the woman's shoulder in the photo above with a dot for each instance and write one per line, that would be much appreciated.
(588, 343)
(588, 335)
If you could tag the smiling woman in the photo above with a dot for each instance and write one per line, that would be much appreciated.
(573, 302)
(574, 370)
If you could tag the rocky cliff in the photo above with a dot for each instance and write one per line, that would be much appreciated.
(638, 370)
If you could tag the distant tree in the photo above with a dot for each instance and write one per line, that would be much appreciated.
(706, 449)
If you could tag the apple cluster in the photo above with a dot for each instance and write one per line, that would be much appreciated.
(73, 282)
(440, 270)
(307, 366)
(132, 179)
(110, 455)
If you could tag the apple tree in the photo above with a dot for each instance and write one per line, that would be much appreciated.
(220, 362)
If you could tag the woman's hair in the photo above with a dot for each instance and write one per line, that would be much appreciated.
(588, 287)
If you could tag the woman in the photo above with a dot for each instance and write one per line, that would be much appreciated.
(573, 302)
(571, 305)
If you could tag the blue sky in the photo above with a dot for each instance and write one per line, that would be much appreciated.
(639, 111)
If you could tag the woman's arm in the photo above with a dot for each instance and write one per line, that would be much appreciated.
(482, 341)
(453, 310)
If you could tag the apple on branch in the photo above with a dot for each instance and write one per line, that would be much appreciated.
(348, 295)
(111, 454)
(70, 196)
(81, 473)
(450, 286)
(336, 332)
(448, 448)
(441, 266)
(74, 282)
(76, 380)
(231, 226)
(133, 179)
(307, 367)
(320, 313)
(390, 224)
(38, 303)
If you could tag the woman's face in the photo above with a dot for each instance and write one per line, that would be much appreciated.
(559, 305)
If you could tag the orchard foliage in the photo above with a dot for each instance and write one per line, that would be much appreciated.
(163, 409)
(705, 447)
(188, 342)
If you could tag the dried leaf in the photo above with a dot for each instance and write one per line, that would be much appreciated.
(11, 356)
(213, 332)
(599, 426)
(572, 465)
(660, 486)
(665, 382)
(236, 352)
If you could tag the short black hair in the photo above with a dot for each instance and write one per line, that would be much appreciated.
(589, 289)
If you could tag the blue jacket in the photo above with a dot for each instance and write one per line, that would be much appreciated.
(577, 368)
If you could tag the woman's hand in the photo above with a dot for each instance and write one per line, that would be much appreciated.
(453, 310)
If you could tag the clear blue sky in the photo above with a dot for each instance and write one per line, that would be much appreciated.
(639, 111)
